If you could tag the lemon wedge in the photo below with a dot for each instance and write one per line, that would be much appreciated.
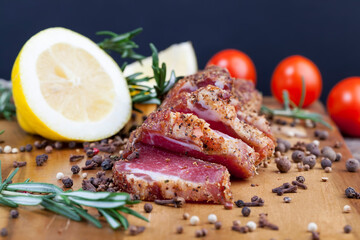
(66, 88)
(178, 57)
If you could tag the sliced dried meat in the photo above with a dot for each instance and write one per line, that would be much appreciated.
(213, 105)
(160, 174)
(187, 134)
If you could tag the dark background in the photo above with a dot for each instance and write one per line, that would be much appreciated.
(326, 31)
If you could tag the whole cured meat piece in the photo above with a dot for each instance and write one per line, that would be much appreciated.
(213, 105)
(159, 174)
(188, 135)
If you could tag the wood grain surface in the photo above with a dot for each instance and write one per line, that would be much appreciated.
(322, 203)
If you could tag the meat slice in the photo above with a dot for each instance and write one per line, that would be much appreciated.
(159, 174)
(246, 99)
(187, 134)
(213, 105)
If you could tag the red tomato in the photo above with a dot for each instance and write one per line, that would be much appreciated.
(288, 75)
(236, 62)
(343, 105)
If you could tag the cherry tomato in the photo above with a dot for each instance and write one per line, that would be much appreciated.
(236, 62)
(343, 105)
(288, 76)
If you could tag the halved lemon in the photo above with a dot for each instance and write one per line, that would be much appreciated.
(178, 57)
(66, 88)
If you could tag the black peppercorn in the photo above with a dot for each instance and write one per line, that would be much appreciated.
(71, 145)
(280, 147)
(352, 165)
(28, 147)
(325, 162)
(40, 159)
(148, 207)
(68, 182)
(88, 162)
(90, 152)
(22, 149)
(218, 225)
(285, 142)
(179, 229)
(3, 232)
(347, 229)
(239, 203)
(107, 164)
(14, 213)
(298, 156)
(75, 169)
(338, 157)
(350, 192)
(245, 211)
(300, 179)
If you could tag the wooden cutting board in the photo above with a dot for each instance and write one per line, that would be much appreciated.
(322, 203)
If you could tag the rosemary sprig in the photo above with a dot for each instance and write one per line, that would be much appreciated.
(122, 44)
(296, 111)
(7, 107)
(69, 204)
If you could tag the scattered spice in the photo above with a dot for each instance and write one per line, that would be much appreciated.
(263, 222)
(107, 164)
(68, 182)
(14, 150)
(299, 184)
(148, 207)
(245, 211)
(338, 144)
(329, 153)
(310, 160)
(48, 149)
(285, 188)
(14, 213)
(28, 147)
(338, 157)
(287, 199)
(313, 149)
(7, 149)
(251, 225)
(352, 165)
(59, 176)
(58, 145)
(41, 159)
(347, 209)
(351, 193)
(218, 225)
(241, 229)
(228, 205)
(72, 145)
(22, 149)
(325, 162)
(179, 229)
(321, 134)
(186, 216)
(328, 169)
(75, 169)
(212, 218)
(87, 186)
(255, 202)
(286, 143)
(306, 167)
(236, 223)
(17, 164)
(75, 158)
(324, 179)
(347, 229)
(135, 230)
(300, 179)
(280, 148)
(84, 175)
(4, 232)
(283, 164)
(298, 156)
(315, 235)
(194, 220)
(176, 201)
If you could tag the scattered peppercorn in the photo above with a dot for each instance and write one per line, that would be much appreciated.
(328, 169)
(324, 179)
(135, 230)
(58, 145)
(75, 169)
(28, 147)
(351, 193)
(300, 179)
(329, 153)
(14, 213)
(48, 149)
(325, 162)
(198, 233)
(41, 159)
(107, 164)
(338, 157)
(280, 148)
(347, 229)
(283, 164)
(236, 223)
(72, 145)
(218, 225)
(228, 205)
(186, 216)
(306, 167)
(90, 152)
(310, 160)
(321, 134)
(4, 232)
(298, 156)
(22, 149)
(352, 165)
(313, 149)
(148, 207)
(68, 182)
(245, 211)
(287, 199)
(285, 142)
(17, 164)
(179, 229)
